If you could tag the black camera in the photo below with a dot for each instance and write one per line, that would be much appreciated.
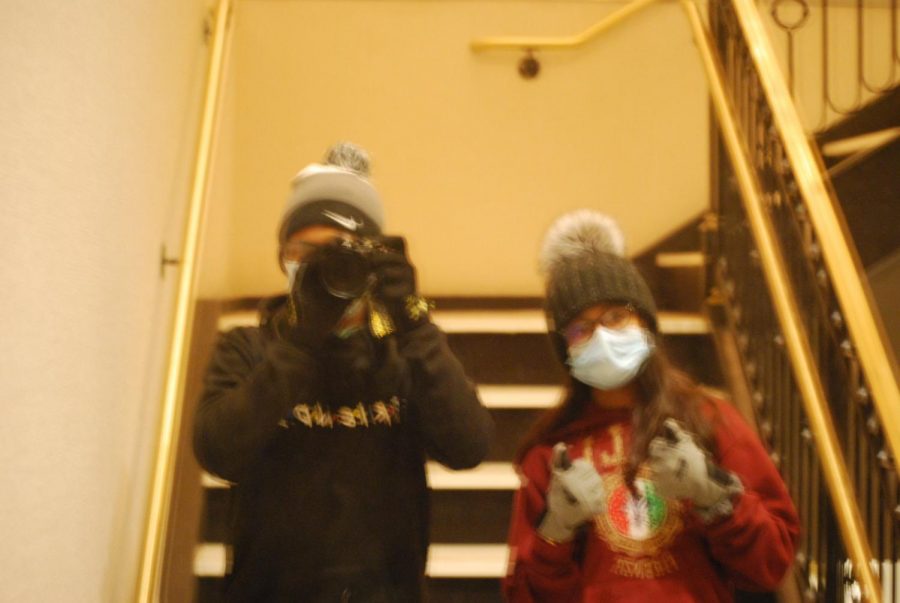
(345, 266)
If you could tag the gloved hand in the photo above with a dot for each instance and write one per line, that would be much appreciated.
(681, 470)
(311, 313)
(575, 495)
(396, 285)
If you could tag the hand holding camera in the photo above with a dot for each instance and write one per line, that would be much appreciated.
(396, 285)
(351, 268)
(334, 275)
(312, 311)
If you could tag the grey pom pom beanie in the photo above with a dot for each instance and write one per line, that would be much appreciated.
(582, 259)
(336, 193)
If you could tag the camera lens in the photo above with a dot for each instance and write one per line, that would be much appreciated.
(345, 273)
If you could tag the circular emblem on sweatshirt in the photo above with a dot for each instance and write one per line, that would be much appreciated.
(639, 522)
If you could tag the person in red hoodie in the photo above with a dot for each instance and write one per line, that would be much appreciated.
(639, 485)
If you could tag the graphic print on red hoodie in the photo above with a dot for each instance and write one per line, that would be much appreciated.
(646, 547)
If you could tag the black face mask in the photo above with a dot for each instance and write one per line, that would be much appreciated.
(362, 368)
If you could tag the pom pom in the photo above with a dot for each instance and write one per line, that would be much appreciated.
(579, 233)
(348, 156)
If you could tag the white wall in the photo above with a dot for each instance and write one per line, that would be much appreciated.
(97, 123)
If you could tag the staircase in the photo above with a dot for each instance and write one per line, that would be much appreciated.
(503, 345)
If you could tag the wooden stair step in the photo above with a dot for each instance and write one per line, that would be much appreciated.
(486, 476)
(680, 259)
(860, 143)
(520, 396)
(503, 321)
(467, 560)
(210, 560)
(444, 560)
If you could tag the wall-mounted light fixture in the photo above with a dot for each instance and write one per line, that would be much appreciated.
(529, 66)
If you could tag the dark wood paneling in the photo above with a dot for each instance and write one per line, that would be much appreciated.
(510, 359)
(511, 425)
(695, 355)
(209, 590)
(869, 195)
(214, 526)
(464, 591)
(470, 516)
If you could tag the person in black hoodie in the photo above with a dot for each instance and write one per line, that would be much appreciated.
(322, 417)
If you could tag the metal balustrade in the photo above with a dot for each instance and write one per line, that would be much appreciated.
(738, 274)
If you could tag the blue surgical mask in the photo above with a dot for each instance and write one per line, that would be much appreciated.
(611, 357)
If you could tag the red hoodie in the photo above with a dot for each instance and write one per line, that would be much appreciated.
(649, 548)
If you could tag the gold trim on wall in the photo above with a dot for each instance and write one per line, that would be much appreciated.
(160, 494)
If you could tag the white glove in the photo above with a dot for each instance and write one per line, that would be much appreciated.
(682, 471)
(574, 496)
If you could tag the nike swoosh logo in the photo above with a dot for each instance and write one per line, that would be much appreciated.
(350, 223)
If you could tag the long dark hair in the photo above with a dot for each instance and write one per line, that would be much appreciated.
(663, 392)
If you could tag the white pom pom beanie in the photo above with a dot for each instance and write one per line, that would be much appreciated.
(335, 193)
(582, 259)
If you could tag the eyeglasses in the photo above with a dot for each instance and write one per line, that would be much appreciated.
(582, 329)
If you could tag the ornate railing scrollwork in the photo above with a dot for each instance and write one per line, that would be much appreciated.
(831, 33)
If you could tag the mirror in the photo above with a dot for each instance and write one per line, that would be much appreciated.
(473, 162)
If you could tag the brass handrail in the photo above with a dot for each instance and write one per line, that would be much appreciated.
(147, 590)
(537, 43)
(841, 265)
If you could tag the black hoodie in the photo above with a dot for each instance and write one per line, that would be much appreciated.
(327, 456)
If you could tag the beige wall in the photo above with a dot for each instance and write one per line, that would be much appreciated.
(473, 161)
(217, 244)
(97, 116)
